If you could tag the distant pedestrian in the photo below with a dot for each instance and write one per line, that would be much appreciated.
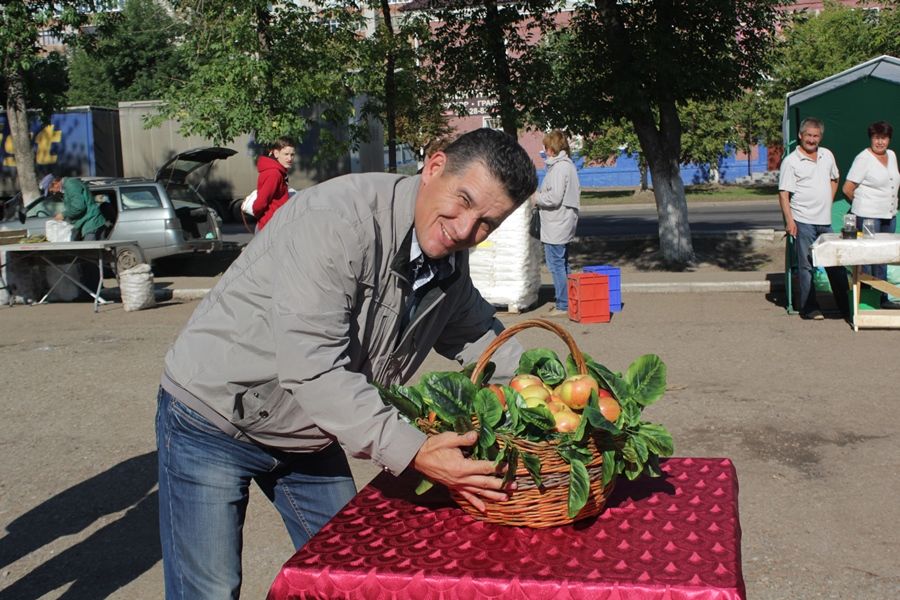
(558, 200)
(806, 189)
(272, 183)
(871, 186)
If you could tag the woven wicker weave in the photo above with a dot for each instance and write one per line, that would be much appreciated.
(547, 506)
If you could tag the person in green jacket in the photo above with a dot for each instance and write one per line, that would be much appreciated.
(80, 209)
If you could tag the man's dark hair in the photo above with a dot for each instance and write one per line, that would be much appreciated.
(504, 158)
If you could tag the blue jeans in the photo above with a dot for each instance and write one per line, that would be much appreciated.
(557, 258)
(204, 484)
(881, 226)
(837, 276)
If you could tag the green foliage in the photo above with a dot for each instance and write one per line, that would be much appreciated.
(630, 447)
(270, 69)
(42, 76)
(814, 46)
(134, 54)
(486, 51)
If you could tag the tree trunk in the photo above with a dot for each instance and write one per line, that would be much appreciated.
(19, 130)
(662, 149)
(502, 77)
(642, 169)
(390, 89)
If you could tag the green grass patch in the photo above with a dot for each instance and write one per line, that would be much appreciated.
(694, 193)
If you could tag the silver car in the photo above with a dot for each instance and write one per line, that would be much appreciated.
(164, 215)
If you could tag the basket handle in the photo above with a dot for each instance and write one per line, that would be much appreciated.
(507, 333)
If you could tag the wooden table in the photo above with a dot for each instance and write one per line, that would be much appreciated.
(676, 537)
(831, 250)
(90, 251)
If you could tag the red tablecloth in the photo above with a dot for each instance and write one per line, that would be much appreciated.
(676, 537)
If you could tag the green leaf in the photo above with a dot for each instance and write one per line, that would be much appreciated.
(486, 441)
(579, 487)
(652, 467)
(512, 463)
(539, 416)
(487, 407)
(646, 377)
(609, 380)
(424, 486)
(657, 438)
(407, 400)
(462, 424)
(532, 359)
(551, 371)
(592, 414)
(633, 471)
(533, 465)
(609, 466)
(640, 449)
(451, 394)
(631, 413)
(571, 452)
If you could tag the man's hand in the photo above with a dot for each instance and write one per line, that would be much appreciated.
(58, 217)
(441, 460)
(791, 228)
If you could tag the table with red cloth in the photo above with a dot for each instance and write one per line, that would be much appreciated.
(675, 537)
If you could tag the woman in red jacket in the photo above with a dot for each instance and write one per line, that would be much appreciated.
(271, 184)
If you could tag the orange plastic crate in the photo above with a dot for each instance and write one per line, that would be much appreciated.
(589, 298)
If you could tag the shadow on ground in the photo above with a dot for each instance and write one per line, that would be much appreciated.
(199, 264)
(96, 566)
(643, 254)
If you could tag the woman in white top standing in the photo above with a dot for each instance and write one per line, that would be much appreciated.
(871, 186)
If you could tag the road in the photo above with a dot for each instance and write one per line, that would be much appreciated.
(640, 219)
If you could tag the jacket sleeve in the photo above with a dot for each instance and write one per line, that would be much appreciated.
(315, 291)
(553, 189)
(266, 185)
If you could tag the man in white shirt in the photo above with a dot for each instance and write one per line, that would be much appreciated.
(806, 189)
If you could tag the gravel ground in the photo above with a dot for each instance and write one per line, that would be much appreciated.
(806, 410)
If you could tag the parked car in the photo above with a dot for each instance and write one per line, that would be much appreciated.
(164, 215)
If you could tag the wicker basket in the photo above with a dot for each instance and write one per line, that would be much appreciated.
(547, 506)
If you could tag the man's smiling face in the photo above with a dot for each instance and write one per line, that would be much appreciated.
(455, 211)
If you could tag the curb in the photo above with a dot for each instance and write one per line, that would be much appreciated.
(671, 287)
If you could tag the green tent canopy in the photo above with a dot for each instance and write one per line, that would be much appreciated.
(847, 103)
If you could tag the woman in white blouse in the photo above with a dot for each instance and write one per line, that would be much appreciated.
(871, 186)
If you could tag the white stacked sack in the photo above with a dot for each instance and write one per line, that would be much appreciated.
(506, 267)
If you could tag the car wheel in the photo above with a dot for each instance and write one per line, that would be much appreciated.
(125, 259)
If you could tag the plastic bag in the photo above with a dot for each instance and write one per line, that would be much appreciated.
(58, 231)
(136, 287)
(247, 204)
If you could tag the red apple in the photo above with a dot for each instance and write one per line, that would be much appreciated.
(575, 390)
(609, 408)
(520, 382)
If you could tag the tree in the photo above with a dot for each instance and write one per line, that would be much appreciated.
(270, 69)
(25, 71)
(640, 60)
(483, 49)
(392, 79)
(611, 139)
(133, 54)
(815, 46)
